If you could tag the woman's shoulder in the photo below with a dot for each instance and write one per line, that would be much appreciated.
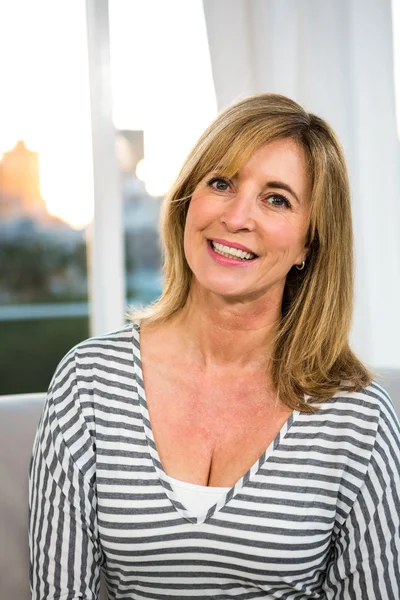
(96, 363)
(372, 397)
(104, 352)
(369, 409)
(117, 339)
(368, 400)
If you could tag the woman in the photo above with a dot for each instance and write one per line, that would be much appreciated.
(227, 443)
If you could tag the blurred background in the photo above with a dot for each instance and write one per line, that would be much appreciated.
(100, 103)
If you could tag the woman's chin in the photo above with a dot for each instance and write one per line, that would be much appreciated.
(230, 291)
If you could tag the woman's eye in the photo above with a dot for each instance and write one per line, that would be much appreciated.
(218, 183)
(278, 201)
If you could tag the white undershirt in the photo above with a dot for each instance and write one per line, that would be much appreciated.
(197, 499)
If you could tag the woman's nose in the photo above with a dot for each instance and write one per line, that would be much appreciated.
(239, 213)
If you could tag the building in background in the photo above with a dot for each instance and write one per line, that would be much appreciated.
(43, 258)
(20, 185)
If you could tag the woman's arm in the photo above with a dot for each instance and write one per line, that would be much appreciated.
(65, 555)
(366, 561)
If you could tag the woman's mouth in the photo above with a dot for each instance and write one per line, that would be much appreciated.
(233, 255)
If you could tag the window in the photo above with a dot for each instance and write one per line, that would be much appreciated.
(46, 197)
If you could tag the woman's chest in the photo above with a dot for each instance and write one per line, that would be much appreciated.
(210, 432)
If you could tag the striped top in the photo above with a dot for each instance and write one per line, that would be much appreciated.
(316, 517)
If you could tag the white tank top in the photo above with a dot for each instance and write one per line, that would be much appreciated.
(197, 499)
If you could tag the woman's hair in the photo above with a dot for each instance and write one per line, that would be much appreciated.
(311, 356)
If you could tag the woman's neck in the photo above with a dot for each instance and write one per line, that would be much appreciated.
(218, 334)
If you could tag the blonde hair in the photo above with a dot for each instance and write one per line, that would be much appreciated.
(311, 354)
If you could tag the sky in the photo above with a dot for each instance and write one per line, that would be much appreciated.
(161, 82)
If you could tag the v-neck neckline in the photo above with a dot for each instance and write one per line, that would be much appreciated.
(225, 498)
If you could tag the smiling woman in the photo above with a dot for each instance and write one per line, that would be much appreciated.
(248, 212)
(227, 443)
(266, 173)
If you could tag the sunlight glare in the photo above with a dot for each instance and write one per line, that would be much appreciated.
(141, 170)
(47, 104)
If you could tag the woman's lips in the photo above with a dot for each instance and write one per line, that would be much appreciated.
(232, 245)
(224, 260)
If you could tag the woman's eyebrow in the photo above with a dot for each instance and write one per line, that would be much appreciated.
(282, 186)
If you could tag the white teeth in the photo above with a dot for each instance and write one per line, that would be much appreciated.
(231, 252)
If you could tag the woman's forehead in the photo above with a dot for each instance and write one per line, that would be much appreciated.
(231, 160)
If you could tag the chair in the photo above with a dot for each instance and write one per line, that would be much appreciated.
(19, 417)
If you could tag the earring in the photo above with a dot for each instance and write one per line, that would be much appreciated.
(301, 267)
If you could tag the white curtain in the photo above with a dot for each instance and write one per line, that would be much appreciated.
(334, 57)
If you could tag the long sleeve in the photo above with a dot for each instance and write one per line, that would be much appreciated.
(366, 553)
(65, 554)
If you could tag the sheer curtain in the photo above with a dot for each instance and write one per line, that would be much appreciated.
(335, 58)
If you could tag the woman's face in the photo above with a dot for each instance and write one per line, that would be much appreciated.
(264, 211)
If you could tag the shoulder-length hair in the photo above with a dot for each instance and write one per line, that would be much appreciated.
(311, 358)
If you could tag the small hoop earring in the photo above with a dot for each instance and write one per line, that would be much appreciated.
(301, 267)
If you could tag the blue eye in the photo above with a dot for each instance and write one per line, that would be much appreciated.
(278, 200)
(218, 183)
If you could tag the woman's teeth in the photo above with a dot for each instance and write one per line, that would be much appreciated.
(232, 252)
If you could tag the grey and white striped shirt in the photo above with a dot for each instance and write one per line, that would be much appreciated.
(316, 517)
